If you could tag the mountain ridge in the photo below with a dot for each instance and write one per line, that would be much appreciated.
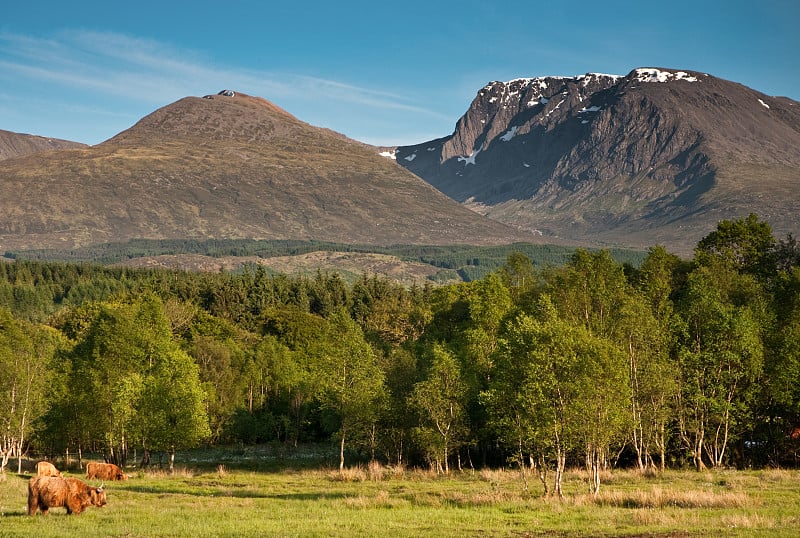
(656, 156)
(20, 144)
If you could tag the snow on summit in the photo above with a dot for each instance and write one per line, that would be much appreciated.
(651, 74)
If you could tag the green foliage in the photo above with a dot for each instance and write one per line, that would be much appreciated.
(584, 361)
(130, 383)
(721, 354)
(25, 352)
(439, 401)
(748, 244)
(457, 262)
(558, 388)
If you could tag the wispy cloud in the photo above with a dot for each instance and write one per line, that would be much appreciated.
(153, 72)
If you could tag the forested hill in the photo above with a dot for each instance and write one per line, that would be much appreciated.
(444, 263)
(671, 363)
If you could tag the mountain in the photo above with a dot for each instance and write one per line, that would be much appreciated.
(17, 144)
(227, 166)
(655, 157)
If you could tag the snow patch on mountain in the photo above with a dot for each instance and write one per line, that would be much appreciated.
(555, 108)
(589, 77)
(511, 133)
(765, 105)
(471, 158)
(650, 74)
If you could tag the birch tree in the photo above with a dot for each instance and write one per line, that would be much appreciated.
(721, 356)
(439, 400)
(559, 389)
(349, 378)
(25, 352)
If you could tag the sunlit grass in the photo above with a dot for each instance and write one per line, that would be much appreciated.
(377, 500)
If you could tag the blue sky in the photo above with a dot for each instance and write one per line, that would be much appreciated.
(381, 72)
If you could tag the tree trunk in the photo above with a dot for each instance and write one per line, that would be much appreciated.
(541, 467)
(341, 451)
(145, 459)
(372, 442)
(636, 411)
(595, 458)
(698, 452)
(561, 463)
(522, 466)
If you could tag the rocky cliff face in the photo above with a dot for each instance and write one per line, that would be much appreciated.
(657, 156)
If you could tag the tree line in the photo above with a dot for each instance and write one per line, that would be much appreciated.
(455, 262)
(669, 363)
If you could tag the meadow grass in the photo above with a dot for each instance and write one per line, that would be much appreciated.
(393, 501)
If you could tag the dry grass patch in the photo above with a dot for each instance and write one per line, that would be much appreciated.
(502, 476)
(179, 471)
(659, 498)
(749, 521)
(348, 474)
(373, 472)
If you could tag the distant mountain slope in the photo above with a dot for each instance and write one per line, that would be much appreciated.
(657, 156)
(17, 144)
(227, 166)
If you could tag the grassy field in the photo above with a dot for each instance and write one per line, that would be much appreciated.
(381, 501)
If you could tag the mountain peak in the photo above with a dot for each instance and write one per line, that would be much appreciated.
(226, 166)
(227, 115)
(654, 74)
(609, 160)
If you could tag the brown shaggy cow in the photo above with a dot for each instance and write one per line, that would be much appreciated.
(104, 471)
(45, 468)
(45, 492)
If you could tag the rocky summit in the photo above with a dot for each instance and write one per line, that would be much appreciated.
(655, 157)
(227, 166)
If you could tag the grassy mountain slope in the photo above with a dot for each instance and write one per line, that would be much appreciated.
(227, 167)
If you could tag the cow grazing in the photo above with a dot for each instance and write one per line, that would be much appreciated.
(104, 471)
(45, 492)
(45, 468)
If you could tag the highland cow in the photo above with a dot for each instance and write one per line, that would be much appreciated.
(45, 492)
(45, 468)
(104, 471)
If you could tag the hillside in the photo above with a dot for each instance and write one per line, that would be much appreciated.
(18, 144)
(227, 166)
(657, 156)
